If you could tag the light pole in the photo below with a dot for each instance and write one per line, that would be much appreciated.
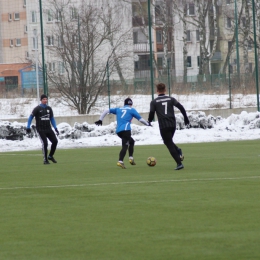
(45, 88)
(108, 83)
(237, 49)
(256, 58)
(36, 62)
(151, 46)
(168, 73)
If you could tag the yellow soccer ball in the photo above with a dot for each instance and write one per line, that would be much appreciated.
(151, 161)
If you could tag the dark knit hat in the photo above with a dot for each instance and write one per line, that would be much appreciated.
(128, 101)
(43, 96)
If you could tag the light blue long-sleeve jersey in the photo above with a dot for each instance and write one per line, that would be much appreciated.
(124, 116)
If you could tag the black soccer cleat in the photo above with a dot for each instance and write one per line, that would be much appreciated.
(46, 162)
(51, 158)
(179, 167)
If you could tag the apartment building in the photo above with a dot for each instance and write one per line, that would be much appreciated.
(14, 40)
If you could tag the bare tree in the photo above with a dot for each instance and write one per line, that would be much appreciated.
(82, 48)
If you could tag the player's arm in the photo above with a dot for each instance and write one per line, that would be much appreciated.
(183, 111)
(53, 122)
(99, 122)
(28, 127)
(139, 118)
(152, 112)
(29, 121)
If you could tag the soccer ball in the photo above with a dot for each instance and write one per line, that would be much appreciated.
(151, 161)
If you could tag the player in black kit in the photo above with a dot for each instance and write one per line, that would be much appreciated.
(44, 118)
(163, 105)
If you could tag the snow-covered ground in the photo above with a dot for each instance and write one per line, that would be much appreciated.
(245, 126)
(22, 107)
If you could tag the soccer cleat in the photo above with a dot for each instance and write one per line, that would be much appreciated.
(180, 153)
(51, 158)
(132, 161)
(46, 162)
(121, 164)
(179, 167)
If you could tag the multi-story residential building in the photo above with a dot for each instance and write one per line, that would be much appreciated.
(20, 36)
(14, 40)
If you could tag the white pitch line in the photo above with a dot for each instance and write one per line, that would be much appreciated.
(126, 183)
(19, 154)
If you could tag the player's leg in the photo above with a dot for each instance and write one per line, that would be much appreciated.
(124, 135)
(54, 141)
(131, 151)
(166, 134)
(177, 148)
(43, 139)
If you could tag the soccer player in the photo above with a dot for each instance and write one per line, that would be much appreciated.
(163, 105)
(124, 116)
(44, 118)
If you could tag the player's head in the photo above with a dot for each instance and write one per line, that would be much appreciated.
(128, 101)
(161, 88)
(44, 99)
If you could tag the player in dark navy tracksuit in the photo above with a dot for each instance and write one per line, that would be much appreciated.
(124, 116)
(44, 118)
(164, 105)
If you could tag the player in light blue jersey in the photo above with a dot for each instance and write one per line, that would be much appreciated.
(124, 116)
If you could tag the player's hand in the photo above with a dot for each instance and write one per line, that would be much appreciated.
(187, 122)
(99, 122)
(149, 123)
(28, 130)
(57, 131)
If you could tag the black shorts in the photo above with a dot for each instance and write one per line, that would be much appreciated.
(126, 137)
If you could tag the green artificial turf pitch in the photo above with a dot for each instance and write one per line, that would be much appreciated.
(85, 207)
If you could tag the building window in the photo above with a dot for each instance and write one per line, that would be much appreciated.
(73, 13)
(197, 35)
(50, 40)
(189, 61)
(33, 17)
(51, 66)
(160, 62)
(157, 10)
(250, 67)
(228, 2)
(249, 47)
(58, 16)
(188, 36)
(61, 67)
(229, 24)
(230, 46)
(10, 17)
(198, 61)
(190, 9)
(24, 3)
(35, 43)
(60, 41)
(159, 36)
(50, 16)
(11, 42)
(25, 29)
(16, 16)
(18, 42)
(135, 37)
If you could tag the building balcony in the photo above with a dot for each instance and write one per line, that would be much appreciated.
(141, 47)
